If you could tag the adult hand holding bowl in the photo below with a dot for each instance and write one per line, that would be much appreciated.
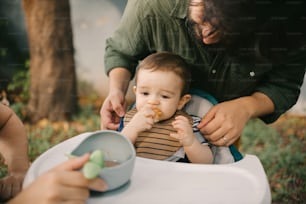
(118, 157)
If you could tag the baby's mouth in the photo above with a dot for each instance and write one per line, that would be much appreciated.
(158, 113)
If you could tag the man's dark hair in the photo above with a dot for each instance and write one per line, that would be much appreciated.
(265, 30)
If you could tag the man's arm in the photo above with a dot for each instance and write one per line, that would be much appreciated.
(119, 79)
(114, 105)
(258, 104)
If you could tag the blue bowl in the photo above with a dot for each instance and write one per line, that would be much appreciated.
(116, 148)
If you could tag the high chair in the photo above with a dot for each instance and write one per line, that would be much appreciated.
(232, 179)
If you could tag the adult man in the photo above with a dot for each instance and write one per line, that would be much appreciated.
(251, 62)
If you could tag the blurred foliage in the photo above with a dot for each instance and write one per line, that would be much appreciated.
(19, 90)
(20, 85)
(46, 134)
(281, 147)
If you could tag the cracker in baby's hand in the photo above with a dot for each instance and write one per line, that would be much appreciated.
(157, 115)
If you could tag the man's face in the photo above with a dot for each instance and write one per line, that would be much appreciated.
(203, 31)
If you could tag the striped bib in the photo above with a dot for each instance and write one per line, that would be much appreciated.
(156, 142)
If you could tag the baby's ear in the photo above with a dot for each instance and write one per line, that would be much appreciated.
(184, 99)
(134, 89)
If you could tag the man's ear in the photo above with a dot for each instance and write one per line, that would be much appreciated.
(184, 99)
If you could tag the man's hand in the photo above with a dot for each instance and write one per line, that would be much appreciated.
(224, 123)
(114, 105)
(113, 108)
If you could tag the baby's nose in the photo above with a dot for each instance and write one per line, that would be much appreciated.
(153, 101)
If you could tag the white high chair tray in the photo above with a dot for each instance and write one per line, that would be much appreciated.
(162, 182)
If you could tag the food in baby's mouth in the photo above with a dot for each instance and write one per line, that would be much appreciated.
(158, 113)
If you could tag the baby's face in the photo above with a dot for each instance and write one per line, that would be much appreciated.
(160, 89)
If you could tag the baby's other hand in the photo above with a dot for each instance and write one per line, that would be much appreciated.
(184, 131)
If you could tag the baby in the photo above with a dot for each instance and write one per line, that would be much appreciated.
(157, 126)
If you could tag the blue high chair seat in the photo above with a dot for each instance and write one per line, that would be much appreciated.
(199, 105)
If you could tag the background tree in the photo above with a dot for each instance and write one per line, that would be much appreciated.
(52, 69)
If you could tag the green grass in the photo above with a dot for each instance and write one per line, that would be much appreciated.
(45, 134)
(283, 157)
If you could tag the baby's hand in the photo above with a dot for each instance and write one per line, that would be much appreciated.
(12, 185)
(184, 131)
(143, 119)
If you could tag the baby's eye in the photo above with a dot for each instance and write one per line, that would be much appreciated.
(165, 96)
(145, 93)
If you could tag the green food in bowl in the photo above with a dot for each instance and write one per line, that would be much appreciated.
(96, 163)
(93, 167)
(91, 170)
(97, 158)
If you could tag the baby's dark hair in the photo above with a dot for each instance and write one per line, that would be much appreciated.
(167, 62)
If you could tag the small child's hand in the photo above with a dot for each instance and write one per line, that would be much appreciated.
(11, 185)
(143, 119)
(184, 131)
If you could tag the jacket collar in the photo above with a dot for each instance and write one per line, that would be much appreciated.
(180, 9)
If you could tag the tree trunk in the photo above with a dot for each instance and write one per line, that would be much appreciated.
(52, 69)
